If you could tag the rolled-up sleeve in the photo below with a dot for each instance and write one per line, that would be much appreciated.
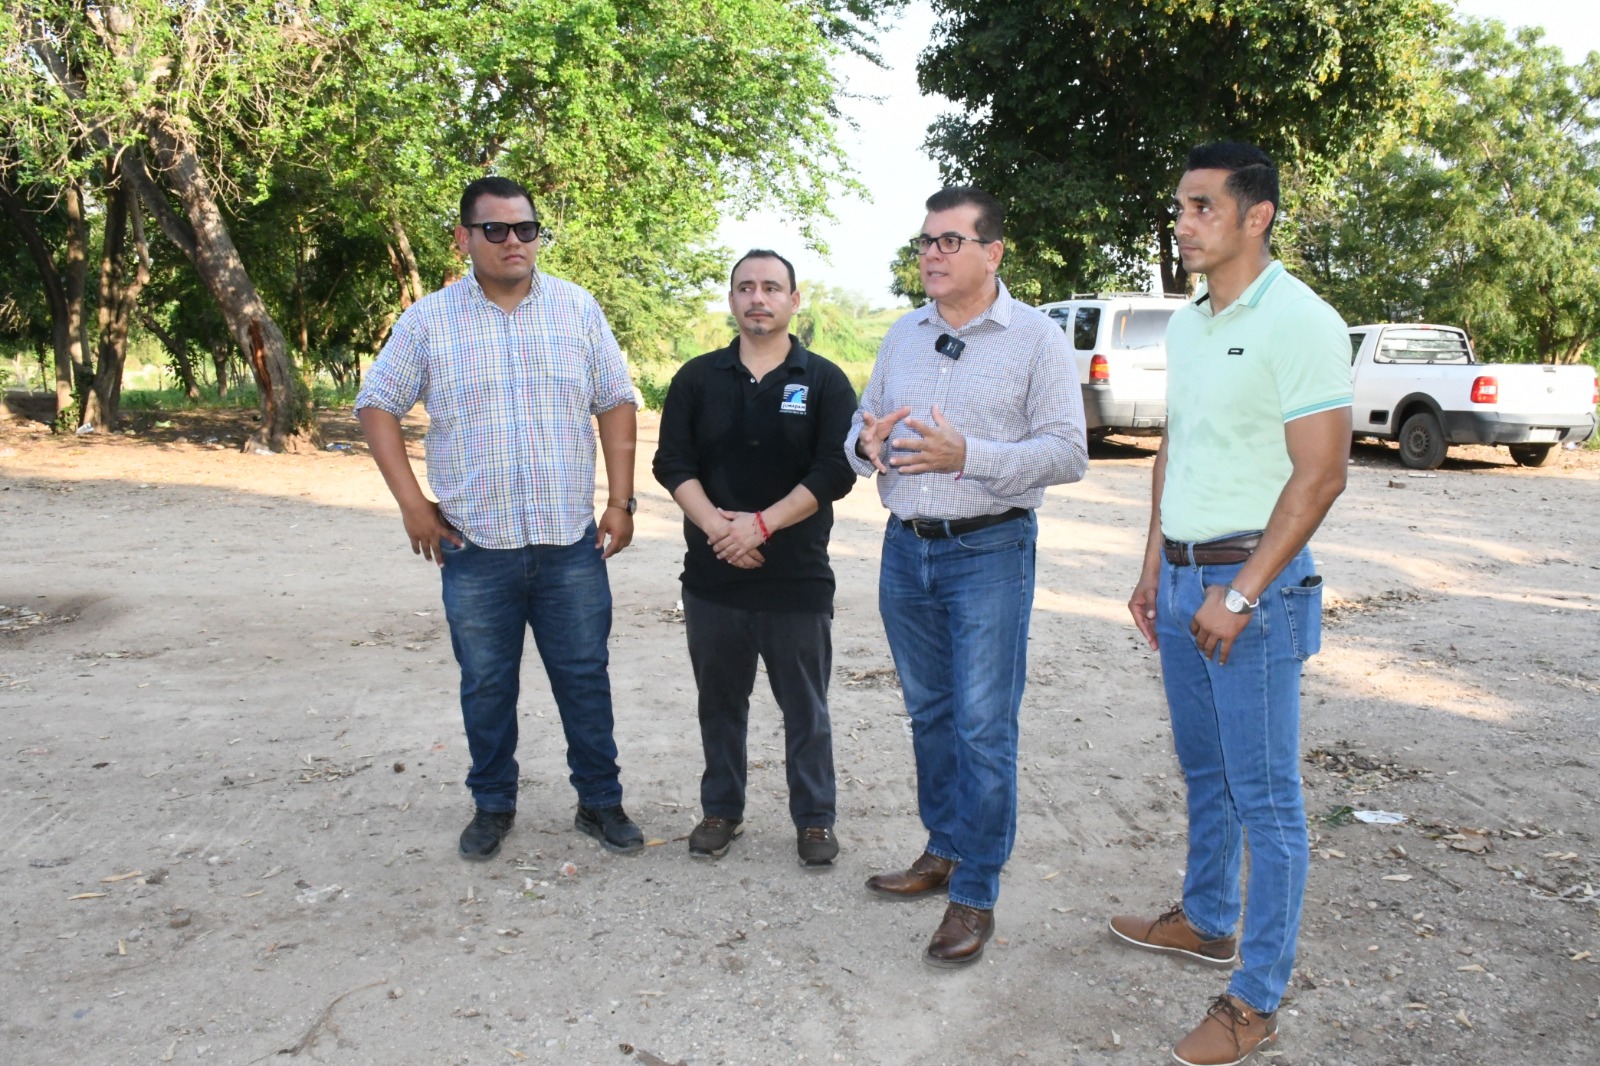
(608, 367)
(399, 375)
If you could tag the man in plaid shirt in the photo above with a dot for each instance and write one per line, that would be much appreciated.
(512, 365)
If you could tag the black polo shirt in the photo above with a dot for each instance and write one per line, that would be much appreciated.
(749, 444)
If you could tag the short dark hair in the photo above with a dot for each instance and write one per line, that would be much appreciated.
(1252, 176)
(503, 188)
(763, 253)
(991, 223)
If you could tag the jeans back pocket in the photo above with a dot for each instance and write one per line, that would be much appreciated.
(1303, 605)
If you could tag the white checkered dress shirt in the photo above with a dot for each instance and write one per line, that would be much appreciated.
(1013, 394)
(510, 445)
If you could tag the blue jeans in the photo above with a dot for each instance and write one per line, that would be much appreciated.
(956, 615)
(562, 593)
(1237, 733)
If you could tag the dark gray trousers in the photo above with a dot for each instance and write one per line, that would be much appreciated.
(724, 643)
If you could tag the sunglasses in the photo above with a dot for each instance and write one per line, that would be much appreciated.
(497, 232)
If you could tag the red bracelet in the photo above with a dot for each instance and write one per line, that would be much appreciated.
(766, 534)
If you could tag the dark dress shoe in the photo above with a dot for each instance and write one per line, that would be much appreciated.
(960, 937)
(928, 874)
(480, 840)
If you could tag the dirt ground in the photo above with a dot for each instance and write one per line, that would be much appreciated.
(232, 764)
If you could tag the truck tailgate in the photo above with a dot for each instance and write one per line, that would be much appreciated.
(1557, 391)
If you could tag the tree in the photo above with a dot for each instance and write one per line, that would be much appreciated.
(1490, 216)
(1078, 113)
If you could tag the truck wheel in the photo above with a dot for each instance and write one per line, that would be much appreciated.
(1532, 454)
(1422, 443)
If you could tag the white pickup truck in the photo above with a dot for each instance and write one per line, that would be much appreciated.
(1423, 386)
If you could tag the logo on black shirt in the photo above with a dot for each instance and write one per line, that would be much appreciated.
(794, 400)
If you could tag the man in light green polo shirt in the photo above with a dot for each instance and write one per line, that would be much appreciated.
(1258, 437)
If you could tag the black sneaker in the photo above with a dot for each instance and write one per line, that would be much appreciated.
(480, 840)
(712, 838)
(611, 826)
(817, 845)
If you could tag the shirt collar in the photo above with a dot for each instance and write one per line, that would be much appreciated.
(728, 358)
(534, 289)
(1251, 296)
(998, 312)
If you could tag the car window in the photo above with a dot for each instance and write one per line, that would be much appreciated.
(1419, 345)
(1085, 328)
(1356, 341)
(1140, 328)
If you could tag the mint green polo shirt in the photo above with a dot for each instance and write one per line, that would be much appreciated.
(1234, 380)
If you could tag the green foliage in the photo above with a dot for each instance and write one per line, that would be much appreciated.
(907, 276)
(339, 134)
(1489, 217)
(1079, 113)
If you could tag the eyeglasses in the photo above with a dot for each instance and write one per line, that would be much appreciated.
(497, 232)
(949, 243)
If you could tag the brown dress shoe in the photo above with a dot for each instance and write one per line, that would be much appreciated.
(1230, 1034)
(928, 874)
(1171, 934)
(959, 939)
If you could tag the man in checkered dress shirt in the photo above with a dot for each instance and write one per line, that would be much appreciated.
(512, 365)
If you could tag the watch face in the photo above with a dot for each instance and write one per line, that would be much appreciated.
(633, 504)
(1235, 602)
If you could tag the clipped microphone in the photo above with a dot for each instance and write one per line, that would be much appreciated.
(950, 347)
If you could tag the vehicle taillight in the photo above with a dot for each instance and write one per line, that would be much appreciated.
(1595, 399)
(1485, 390)
(1099, 369)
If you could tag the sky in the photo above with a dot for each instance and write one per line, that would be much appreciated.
(885, 149)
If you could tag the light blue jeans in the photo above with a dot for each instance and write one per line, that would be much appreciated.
(956, 615)
(1236, 728)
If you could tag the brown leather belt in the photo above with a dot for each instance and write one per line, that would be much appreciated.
(942, 529)
(1220, 552)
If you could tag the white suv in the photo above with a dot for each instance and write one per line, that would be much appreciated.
(1120, 339)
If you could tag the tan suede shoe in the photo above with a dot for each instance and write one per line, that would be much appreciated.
(1171, 934)
(1230, 1034)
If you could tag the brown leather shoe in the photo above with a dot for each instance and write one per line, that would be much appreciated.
(928, 874)
(1171, 934)
(1230, 1034)
(960, 937)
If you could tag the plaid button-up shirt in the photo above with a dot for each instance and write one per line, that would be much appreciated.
(510, 397)
(1013, 394)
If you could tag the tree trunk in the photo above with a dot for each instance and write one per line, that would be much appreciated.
(1174, 279)
(177, 346)
(219, 359)
(285, 424)
(409, 260)
(74, 380)
(64, 295)
(119, 296)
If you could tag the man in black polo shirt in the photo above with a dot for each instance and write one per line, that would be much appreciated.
(752, 449)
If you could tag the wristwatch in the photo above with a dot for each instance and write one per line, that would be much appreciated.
(1236, 602)
(630, 506)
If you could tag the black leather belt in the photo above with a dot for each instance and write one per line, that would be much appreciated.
(1220, 552)
(942, 529)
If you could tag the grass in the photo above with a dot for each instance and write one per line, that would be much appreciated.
(240, 398)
